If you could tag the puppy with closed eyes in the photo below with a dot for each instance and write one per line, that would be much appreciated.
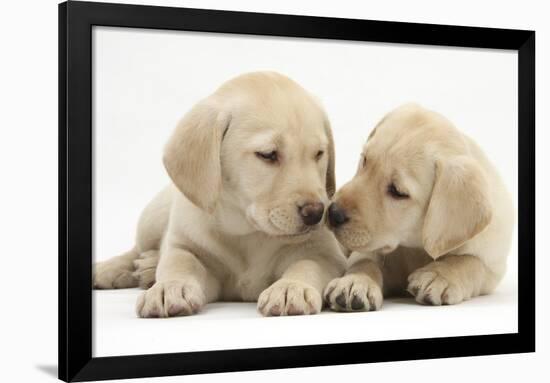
(252, 169)
(425, 213)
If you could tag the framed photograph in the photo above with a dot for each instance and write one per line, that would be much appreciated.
(245, 191)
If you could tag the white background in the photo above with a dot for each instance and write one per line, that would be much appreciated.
(29, 204)
(145, 80)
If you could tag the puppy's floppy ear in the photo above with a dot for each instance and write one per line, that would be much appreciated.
(192, 154)
(331, 177)
(459, 208)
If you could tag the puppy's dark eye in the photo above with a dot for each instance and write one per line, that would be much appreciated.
(394, 192)
(319, 155)
(268, 156)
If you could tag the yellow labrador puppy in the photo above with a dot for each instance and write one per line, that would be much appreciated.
(252, 167)
(426, 213)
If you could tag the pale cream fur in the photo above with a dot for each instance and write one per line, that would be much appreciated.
(228, 228)
(447, 242)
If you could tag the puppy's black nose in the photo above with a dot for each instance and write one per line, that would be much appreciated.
(312, 213)
(336, 215)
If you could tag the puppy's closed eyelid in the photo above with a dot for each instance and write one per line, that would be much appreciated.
(363, 161)
(396, 192)
(271, 156)
(319, 154)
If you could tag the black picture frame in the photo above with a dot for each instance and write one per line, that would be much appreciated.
(75, 190)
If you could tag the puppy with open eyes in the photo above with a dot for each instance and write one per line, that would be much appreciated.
(425, 213)
(252, 168)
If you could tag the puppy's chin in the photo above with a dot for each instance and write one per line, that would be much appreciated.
(368, 246)
(360, 240)
(296, 237)
(352, 239)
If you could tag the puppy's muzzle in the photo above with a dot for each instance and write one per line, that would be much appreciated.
(336, 215)
(311, 213)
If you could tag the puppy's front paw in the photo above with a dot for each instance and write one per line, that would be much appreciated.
(171, 298)
(433, 285)
(287, 297)
(354, 292)
(145, 269)
(113, 274)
